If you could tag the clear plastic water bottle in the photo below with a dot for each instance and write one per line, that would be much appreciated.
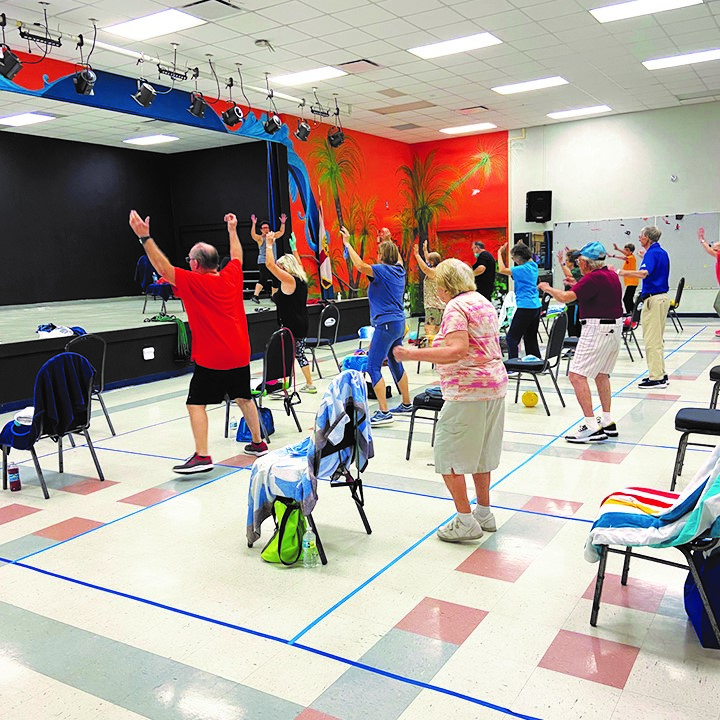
(310, 555)
(14, 479)
(233, 424)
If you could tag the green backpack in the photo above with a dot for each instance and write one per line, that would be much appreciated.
(285, 546)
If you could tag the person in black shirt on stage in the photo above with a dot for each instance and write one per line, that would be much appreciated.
(291, 303)
(484, 270)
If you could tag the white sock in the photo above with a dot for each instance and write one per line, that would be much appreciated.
(606, 419)
(466, 518)
(483, 510)
(591, 423)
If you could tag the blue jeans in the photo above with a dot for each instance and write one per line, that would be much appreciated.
(384, 339)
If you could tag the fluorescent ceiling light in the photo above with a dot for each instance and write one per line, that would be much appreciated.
(609, 13)
(151, 140)
(687, 59)
(578, 112)
(308, 76)
(160, 23)
(450, 47)
(28, 118)
(478, 127)
(530, 85)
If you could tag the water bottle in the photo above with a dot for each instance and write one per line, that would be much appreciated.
(14, 478)
(310, 555)
(233, 424)
(339, 296)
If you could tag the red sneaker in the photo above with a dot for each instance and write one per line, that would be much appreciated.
(195, 464)
(256, 449)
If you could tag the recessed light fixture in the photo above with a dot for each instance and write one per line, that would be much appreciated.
(28, 118)
(160, 23)
(460, 129)
(621, 11)
(308, 76)
(688, 59)
(151, 140)
(579, 112)
(458, 45)
(530, 85)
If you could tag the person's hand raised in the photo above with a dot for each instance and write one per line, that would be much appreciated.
(231, 221)
(283, 218)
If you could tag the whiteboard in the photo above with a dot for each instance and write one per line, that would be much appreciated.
(679, 238)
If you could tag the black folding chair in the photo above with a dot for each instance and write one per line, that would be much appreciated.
(675, 304)
(326, 336)
(548, 366)
(630, 325)
(544, 305)
(94, 349)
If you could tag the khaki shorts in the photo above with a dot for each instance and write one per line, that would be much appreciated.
(469, 436)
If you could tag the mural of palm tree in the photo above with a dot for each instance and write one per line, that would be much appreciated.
(363, 227)
(336, 168)
(486, 161)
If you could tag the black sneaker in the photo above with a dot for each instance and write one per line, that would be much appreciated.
(648, 384)
(610, 430)
(195, 464)
(255, 299)
(256, 449)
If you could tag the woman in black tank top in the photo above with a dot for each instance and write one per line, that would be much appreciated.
(291, 301)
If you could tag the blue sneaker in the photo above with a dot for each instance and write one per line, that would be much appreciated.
(401, 409)
(381, 418)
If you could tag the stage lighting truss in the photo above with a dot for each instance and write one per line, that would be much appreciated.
(317, 107)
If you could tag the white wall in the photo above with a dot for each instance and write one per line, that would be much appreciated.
(620, 167)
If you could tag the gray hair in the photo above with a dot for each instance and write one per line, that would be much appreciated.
(206, 255)
(651, 233)
(594, 264)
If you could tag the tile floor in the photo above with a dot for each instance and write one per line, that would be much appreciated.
(139, 598)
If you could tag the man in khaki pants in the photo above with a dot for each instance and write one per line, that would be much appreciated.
(655, 273)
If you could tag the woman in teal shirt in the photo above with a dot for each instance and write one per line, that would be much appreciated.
(525, 321)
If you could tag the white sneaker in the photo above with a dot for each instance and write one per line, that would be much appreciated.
(308, 389)
(487, 522)
(457, 530)
(584, 434)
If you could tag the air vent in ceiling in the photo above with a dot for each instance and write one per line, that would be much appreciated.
(355, 67)
(474, 110)
(405, 107)
(406, 126)
(391, 93)
(212, 9)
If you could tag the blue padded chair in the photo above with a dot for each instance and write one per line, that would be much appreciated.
(62, 397)
(146, 276)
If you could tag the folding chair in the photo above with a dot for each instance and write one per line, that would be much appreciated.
(278, 365)
(630, 325)
(548, 366)
(424, 402)
(62, 400)
(94, 349)
(145, 275)
(675, 304)
(544, 305)
(326, 334)
(644, 517)
(689, 421)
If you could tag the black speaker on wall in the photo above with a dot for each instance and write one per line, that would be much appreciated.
(538, 206)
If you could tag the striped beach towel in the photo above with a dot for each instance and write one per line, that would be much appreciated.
(639, 516)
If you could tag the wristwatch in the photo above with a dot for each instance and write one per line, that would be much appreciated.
(143, 239)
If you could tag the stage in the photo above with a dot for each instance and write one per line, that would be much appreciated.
(123, 326)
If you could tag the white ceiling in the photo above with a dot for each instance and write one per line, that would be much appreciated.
(601, 62)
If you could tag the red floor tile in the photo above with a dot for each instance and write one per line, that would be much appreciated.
(68, 528)
(637, 594)
(614, 458)
(552, 506)
(148, 497)
(590, 658)
(310, 714)
(238, 460)
(498, 565)
(684, 377)
(15, 512)
(88, 486)
(442, 620)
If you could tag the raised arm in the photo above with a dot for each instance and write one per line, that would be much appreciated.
(707, 248)
(287, 281)
(454, 347)
(157, 257)
(427, 270)
(357, 261)
(502, 268)
(253, 231)
(563, 296)
(236, 252)
(281, 231)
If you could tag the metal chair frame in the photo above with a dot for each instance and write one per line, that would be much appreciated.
(322, 339)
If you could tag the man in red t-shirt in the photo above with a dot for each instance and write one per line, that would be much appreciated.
(599, 297)
(220, 341)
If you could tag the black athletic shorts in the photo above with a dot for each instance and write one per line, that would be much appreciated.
(209, 387)
(267, 278)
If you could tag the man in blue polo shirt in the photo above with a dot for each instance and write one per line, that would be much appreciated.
(655, 274)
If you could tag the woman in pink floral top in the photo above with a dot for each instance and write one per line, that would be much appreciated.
(467, 354)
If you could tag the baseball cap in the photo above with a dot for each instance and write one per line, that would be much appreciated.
(592, 251)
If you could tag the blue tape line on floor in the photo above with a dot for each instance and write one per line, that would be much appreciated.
(274, 638)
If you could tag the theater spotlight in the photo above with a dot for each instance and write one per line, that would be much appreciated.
(84, 81)
(10, 65)
(197, 105)
(336, 137)
(233, 116)
(302, 132)
(272, 124)
(145, 94)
